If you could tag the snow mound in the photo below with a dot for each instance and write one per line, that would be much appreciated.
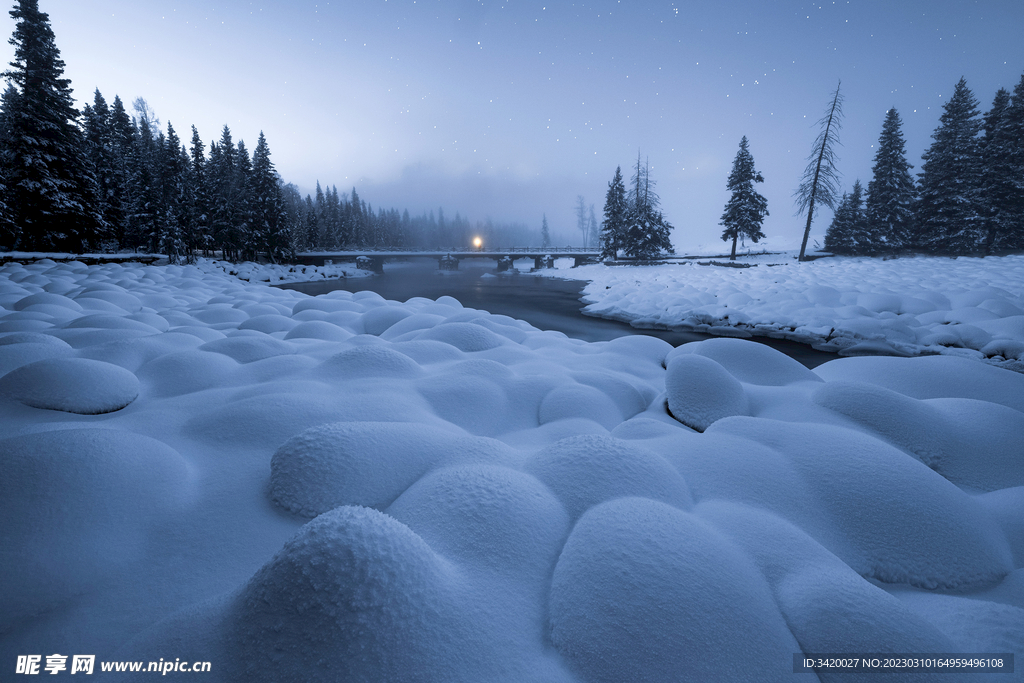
(47, 298)
(364, 463)
(700, 391)
(965, 440)
(268, 323)
(368, 361)
(318, 329)
(749, 361)
(352, 597)
(71, 385)
(831, 610)
(634, 588)
(885, 514)
(248, 349)
(22, 348)
(464, 336)
(579, 400)
(931, 377)
(377, 320)
(185, 372)
(108, 488)
(490, 517)
(586, 470)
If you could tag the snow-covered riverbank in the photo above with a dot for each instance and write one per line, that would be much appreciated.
(969, 307)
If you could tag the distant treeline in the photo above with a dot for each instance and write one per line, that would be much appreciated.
(101, 180)
(968, 198)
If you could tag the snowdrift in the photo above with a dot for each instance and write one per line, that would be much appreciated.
(345, 488)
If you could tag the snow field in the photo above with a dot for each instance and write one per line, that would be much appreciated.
(344, 488)
(968, 307)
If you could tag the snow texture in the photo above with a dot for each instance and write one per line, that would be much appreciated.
(346, 488)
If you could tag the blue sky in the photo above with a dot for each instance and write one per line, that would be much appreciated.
(509, 110)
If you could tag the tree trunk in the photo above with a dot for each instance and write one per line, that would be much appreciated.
(735, 237)
(807, 230)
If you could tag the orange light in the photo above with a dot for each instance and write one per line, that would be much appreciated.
(477, 242)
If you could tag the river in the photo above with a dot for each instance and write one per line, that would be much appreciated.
(546, 303)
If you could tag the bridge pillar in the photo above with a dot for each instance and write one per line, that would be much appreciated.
(448, 262)
(505, 263)
(543, 262)
(583, 260)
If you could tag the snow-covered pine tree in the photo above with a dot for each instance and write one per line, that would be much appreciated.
(613, 227)
(891, 191)
(49, 191)
(310, 227)
(1000, 185)
(143, 225)
(545, 234)
(174, 164)
(243, 232)
(849, 232)
(820, 182)
(746, 209)
(197, 224)
(8, 230)
(226, 183)
(838, 237)
(949, 210)
(1014, 238)
(647, 232)
(357, 224)
(101, 156)
(267, 212)
(123, 136)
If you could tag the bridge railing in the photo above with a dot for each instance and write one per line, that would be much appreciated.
(459, 250)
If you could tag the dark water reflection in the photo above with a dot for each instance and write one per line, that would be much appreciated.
(545, 303)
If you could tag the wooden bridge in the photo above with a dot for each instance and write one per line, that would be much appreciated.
(449, 259)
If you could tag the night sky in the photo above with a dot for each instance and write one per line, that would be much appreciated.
(509, 110)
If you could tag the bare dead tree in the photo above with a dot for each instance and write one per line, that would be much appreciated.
(820, 182)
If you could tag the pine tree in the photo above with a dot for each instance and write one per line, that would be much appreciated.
(1000, 185)
(1014, 238)
(100, 155)
(227, 198)
(144, 219)
(647, 232)
(49, 192)
(356, 213)
(197, 225)
(545, 234)
(746, 209)
(838, 237)
(123, 136)
(310, 227)
(849, 232)
(950, 209)
(613, 227)
(820, 182)
(267, 211)
(243, 235)
(8, 229)
(174, 183)
(891, 191)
